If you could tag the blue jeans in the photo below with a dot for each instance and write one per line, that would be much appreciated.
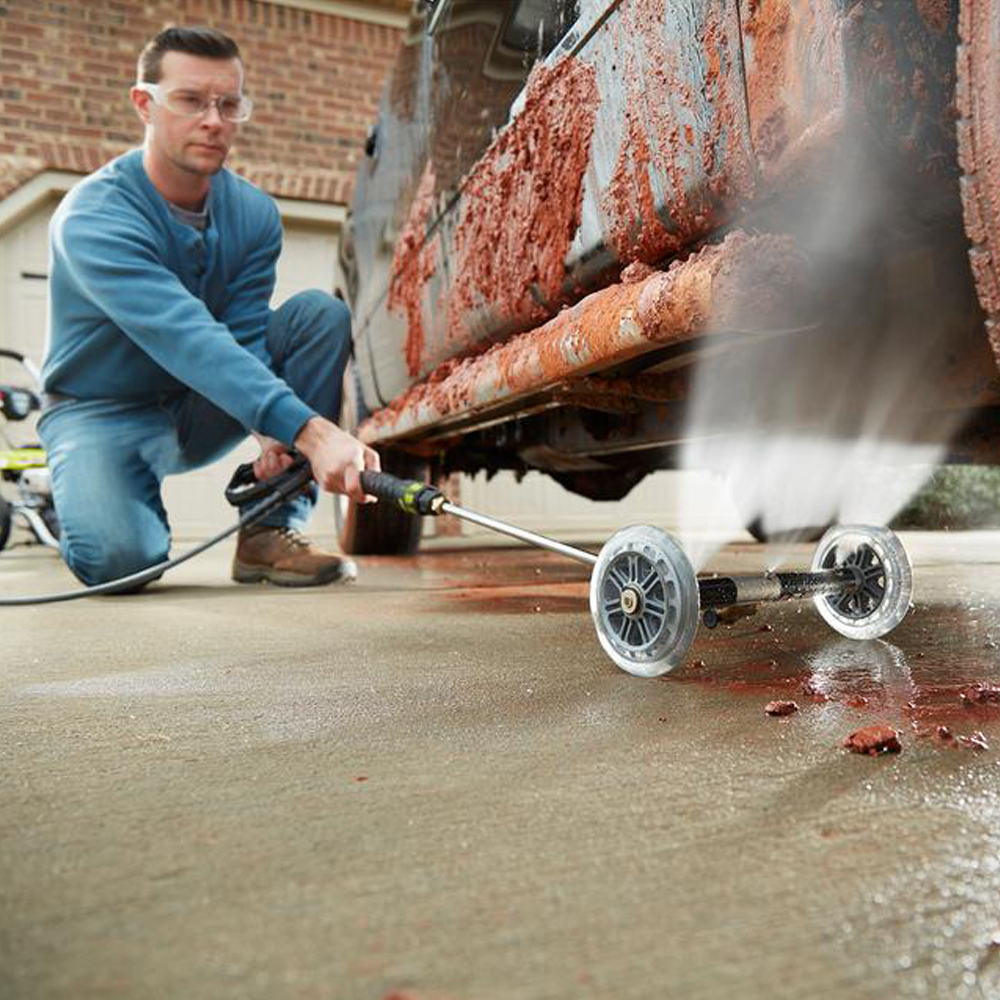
(108, 457)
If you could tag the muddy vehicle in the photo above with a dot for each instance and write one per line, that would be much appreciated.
(572, 212)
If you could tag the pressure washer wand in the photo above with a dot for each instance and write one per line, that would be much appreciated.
(714, 592)
(645, 596)
(421, 498)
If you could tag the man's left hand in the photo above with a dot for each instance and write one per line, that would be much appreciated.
(273, 458)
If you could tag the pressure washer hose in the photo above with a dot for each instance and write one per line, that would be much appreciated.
(267, 495)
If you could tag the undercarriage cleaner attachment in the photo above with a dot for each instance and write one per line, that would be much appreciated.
(646, 600)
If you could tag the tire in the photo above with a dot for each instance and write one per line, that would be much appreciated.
(806, 534)
(48, 513)
(379, 528)
(5, 523)
(978, 100)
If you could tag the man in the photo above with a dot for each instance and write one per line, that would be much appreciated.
(163, 353)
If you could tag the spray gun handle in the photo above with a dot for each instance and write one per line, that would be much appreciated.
(245, 488)
(409, 495)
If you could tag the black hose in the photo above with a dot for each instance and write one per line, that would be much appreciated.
(281, 488)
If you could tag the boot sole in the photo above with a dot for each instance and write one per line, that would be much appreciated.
(345, 572)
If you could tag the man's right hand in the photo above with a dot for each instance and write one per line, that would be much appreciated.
(337, 459)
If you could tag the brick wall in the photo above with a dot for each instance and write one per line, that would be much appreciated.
(66, 66)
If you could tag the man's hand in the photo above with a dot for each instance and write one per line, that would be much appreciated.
(273, 458)
(337, 459)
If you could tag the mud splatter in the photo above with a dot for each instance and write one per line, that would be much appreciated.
(790, 47)
(522, 205)
(977, 741)
(781, 708)
(980, 694)
(684, 125)
(551, 598)
(731, 615)
(742, 281)
(936, 14)
(874, 740)
(414, 263)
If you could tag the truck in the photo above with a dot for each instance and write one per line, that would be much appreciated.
(598, 238)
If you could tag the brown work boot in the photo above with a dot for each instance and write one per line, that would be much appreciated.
(284, 557)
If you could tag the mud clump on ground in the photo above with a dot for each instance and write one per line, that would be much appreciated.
(980, 694)
(813, 692)
(944, 736)
(874, 740)
(781, 708)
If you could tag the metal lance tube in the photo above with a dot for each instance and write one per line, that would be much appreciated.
(724, 591)
(483, 520)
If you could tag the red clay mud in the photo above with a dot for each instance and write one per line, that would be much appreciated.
(978, 98)
(874, 740)
(742, 281)
(781, 708)
(522, 204)
(414, 263)
(974, 742)
(935, 14)
(702, 171)
(550, 598)
(980, 694)
(731, 615)
(945, 736)
(811, 691)
(794, 84)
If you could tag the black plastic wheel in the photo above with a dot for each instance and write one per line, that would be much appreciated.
(378, 528)
(5, 522)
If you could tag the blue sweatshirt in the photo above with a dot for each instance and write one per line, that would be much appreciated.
(143, 305)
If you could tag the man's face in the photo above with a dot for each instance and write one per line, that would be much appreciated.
(198, 145)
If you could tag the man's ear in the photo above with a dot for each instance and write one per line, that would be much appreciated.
(141, 102)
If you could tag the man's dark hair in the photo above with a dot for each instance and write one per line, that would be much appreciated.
(205, 42)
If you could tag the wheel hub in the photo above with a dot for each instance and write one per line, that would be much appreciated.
(868, 592)
(631, 601)
(637, 599)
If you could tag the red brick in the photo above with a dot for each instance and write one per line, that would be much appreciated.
(315, 78)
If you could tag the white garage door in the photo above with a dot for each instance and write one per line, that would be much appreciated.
(23, 306)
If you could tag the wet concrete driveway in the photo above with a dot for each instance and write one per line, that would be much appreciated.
(434, 785)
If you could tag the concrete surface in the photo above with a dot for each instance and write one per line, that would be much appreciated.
(434, 785)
